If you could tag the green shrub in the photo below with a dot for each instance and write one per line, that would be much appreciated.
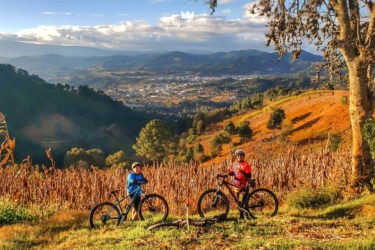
(335, 141)
(308, 197)
(11, 213)
(344, 100)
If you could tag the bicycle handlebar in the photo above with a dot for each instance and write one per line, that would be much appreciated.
(222, 176)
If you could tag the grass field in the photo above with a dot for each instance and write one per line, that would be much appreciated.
(347, 225)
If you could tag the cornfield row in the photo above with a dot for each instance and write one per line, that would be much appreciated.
(82, 188)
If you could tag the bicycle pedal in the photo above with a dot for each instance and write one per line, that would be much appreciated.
(122, 218)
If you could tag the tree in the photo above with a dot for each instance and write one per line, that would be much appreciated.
(229, 128)
(155, 140)
(93, 157)
(276, 119)
(244, 131)
(344, 30)
(118, 158)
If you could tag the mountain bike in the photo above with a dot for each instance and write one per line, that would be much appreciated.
(187, 222)
(254, 203)
(152, 207)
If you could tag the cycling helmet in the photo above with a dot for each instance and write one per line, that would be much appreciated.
(136, 164)
(239, 152)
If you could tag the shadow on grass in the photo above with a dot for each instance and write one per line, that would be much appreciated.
(301, 117)
(341, 212)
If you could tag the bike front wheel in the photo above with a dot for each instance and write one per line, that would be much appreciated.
(213, 203)
(262, 204)
(153, 208)
(104, 214)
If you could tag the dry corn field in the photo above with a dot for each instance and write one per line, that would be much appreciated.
(82, 188)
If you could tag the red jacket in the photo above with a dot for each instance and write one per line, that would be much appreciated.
(241, 172)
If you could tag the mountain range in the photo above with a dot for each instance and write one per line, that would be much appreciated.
(57, 68)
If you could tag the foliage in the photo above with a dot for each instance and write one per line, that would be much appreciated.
(286, 129)
(230, 129)
(90, 157)
(369, 134)
(28, 97)
(276, 119)
(155, 140)
(344, 100)
(244, 131)
(222, 138)
(118, 159)
(11, 212)
(198, 148)
(308, 197)
(335, 141)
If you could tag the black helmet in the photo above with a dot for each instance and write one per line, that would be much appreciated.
(136, 164)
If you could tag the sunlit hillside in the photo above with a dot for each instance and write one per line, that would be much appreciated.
(313, 116)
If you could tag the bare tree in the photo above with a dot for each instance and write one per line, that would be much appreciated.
(344, 30)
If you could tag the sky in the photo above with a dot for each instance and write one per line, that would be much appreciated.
(134, 25)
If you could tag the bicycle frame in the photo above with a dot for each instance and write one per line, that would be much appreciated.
(227, 184)
(118, 201)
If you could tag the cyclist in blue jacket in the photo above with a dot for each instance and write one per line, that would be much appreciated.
(135, 178)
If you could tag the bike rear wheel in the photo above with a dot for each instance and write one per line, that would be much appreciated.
(104, 214)
(153, 208)
(262, 204)
(163, 224)
(213, 203)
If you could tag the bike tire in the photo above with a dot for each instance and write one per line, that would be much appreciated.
(206, 201)
(262, 203)
(104, 214)
(163, 224)
(154, 208)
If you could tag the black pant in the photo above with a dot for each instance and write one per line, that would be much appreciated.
(137, 200)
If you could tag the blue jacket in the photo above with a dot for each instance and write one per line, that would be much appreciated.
(132, 178)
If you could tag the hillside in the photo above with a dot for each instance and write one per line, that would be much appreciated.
(42, 115)
(313, 116)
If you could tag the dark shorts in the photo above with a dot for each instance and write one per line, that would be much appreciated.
(137, 200)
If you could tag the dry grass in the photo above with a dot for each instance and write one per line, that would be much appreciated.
(81, 188)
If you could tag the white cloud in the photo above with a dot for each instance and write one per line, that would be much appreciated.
(226, 11)
(226, 1)
(253, 17)
(122, 14)
(55, 13)
(98, 15)
(205, 32)
(159, 1)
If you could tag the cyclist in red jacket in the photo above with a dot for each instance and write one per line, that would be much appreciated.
(241, 170)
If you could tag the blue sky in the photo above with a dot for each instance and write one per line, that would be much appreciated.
(133, 24)
(23, 14)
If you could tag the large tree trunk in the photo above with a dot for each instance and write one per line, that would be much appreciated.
(360, 109)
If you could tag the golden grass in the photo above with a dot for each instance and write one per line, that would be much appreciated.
(82, 189)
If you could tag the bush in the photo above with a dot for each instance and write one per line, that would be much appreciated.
(308, 197)
(335, 141)
(344, 100)
(276, 119)
(11, 213)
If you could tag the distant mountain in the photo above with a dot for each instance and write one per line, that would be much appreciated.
(56, 68)
(13, 49)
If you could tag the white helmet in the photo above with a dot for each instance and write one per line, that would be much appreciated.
(239, 152)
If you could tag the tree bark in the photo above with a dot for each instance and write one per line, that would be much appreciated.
(359, 109)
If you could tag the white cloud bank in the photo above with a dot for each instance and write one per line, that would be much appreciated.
(204, 33)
